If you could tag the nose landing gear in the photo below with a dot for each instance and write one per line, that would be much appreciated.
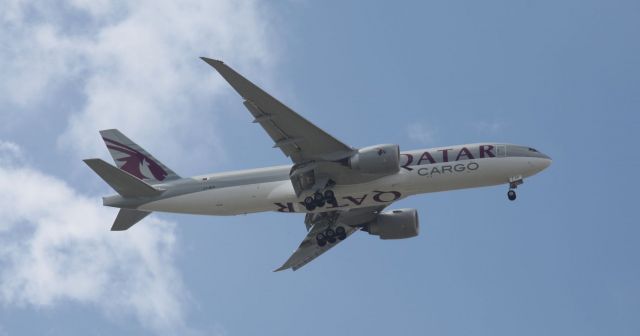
(514, 182)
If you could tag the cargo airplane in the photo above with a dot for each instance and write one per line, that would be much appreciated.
(340, 189)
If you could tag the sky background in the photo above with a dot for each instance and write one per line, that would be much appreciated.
(560, 76)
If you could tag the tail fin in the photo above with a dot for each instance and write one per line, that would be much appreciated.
(124, 183)
(134, 160)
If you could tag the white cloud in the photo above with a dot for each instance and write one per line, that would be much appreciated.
(102, 64)
(134, 64)
(421, 133)
(55, 245)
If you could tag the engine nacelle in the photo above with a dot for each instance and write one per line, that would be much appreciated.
(379, 159)
(395, 224)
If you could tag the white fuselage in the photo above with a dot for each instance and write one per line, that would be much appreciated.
(418, 178)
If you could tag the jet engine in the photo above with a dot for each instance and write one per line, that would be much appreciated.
(379, 159)
(395, 224)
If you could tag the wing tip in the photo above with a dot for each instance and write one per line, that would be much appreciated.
(212, 62)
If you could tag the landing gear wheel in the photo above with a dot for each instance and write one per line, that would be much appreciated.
(330, 197)
(321, 239)
(309, 203)
(330, 235)
(511, 194)
(329, 194)
(318, 199)
(341, 233)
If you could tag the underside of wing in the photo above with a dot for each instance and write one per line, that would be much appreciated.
(318, 224)
(298, 138)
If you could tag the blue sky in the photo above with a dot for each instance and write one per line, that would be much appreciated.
(561, 76)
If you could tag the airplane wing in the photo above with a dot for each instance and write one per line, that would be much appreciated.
(298, 138)
(350, 220)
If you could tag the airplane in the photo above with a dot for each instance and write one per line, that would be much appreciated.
(340, 189)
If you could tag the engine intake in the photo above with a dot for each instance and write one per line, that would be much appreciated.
(379, 159)
(395, 224)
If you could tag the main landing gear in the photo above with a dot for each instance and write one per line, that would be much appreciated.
(514, 182)
(331, 236)
(319, 199)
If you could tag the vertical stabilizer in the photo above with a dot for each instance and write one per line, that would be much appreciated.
(133, 159)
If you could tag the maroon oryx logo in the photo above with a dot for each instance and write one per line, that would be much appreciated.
(135, 162)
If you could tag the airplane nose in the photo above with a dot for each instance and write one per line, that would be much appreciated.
(543, 162)
(540, 162)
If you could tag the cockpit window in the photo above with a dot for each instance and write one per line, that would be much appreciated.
(532, 150)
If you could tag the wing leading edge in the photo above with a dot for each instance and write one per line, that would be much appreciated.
(298, 138)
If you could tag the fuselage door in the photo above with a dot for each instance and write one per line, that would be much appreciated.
(501, 150)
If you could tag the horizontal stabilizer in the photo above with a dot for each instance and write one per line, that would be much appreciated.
(127, 217)
(124, 183)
